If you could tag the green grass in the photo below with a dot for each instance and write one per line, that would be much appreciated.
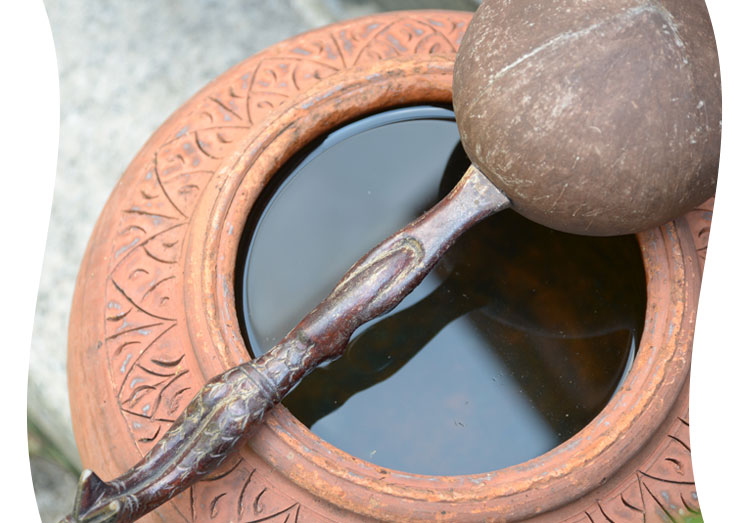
(41, 446)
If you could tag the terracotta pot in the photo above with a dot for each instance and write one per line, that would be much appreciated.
(154, 311)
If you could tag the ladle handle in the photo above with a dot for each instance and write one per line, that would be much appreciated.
(230, 406)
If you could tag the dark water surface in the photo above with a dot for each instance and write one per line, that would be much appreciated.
(516, 340)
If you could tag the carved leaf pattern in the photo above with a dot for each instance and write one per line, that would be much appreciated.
(147, 248)
(250, 502)
(406, 37)
(148, 367)
(129, 330)
(148, 213)
(663, 490)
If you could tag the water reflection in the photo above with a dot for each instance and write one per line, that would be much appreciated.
(512, 344)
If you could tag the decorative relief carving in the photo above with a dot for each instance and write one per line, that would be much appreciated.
(147, 365)
(661, 490)
(431, 35)
(249, 502)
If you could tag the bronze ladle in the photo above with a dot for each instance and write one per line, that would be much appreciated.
(597, 118)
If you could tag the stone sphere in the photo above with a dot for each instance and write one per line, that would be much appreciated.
(594, 117)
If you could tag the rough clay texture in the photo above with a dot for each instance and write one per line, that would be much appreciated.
(118, 82)
(596, 118)
(154, 316)
(124, 68)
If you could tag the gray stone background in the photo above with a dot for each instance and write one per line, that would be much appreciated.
(124, 68)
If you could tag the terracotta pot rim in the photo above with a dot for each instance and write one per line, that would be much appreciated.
(177, 248)
(569, 470)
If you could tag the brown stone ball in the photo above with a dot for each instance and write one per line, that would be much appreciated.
(594, 117)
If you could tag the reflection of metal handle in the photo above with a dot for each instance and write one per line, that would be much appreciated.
(231, 405)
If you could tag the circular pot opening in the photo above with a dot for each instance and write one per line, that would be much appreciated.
(514, 342)
(620, 466)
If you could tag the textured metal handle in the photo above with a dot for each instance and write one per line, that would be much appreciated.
(230, 406)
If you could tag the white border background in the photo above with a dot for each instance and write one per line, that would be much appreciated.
(29, 129)
(721, 360)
